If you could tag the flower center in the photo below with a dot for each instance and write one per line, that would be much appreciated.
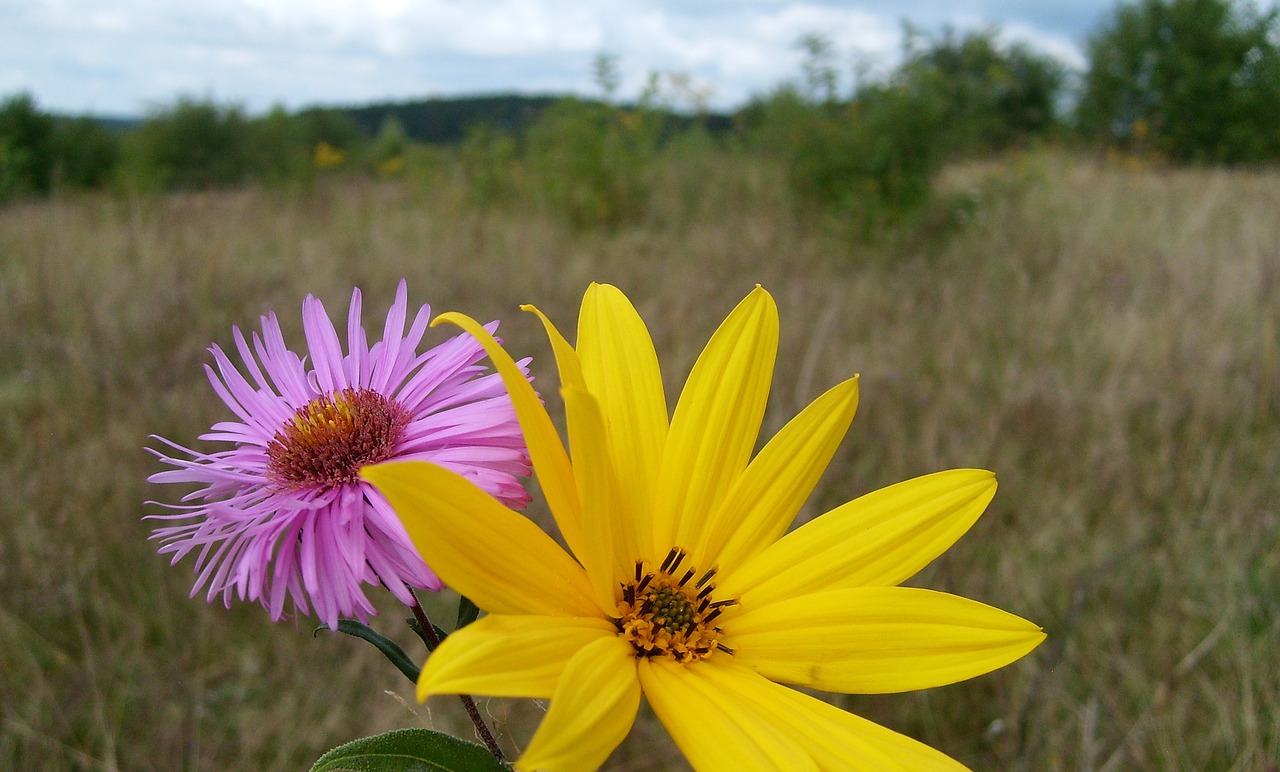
(662, 615)
(332, 437)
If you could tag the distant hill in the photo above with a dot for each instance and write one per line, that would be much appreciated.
(446, 120)
(113, 123)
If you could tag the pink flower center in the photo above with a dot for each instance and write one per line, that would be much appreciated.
(662, 615)
(331, 438)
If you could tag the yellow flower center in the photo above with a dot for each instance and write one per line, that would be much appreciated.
(663, 615)
(332, 437)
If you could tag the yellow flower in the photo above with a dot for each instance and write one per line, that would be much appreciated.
(327, 156)
(679, 583)
(391, 167)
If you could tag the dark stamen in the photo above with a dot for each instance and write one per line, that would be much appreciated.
(672, 560)
(706, 577)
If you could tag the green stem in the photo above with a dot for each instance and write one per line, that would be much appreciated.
(433, 642)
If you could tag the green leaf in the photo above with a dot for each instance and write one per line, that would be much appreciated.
(389, 648)
(467, 612)
(409, 750)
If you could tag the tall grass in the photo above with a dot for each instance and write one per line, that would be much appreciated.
(1106, 339)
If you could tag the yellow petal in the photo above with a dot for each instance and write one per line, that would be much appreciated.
(555, 475)
(712, 727)
(882, 538)
(591, 712)
(777, 482)
(836, 739)
(566, 358)
(501, 655)
(603, 526)
(716, 422)
(621, 370)
(876, 640)
(497, 558)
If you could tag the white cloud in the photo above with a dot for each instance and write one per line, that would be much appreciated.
(118, 55)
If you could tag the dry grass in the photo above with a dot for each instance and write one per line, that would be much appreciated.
(1107, 340)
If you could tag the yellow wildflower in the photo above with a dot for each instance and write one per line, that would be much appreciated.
(679, 583)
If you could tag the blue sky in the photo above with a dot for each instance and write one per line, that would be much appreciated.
(117, 57)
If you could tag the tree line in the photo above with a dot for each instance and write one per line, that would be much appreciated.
(1184, 80)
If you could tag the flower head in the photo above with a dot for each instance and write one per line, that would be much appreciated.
(282, 513)
(679, 583)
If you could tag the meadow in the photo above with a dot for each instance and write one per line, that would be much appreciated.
(1104, 336)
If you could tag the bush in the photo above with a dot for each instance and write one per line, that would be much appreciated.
(387, 155)
(869, 159)
(1195, 80)
(590, 161)
(489, 160)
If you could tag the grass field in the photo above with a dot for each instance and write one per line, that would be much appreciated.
(1106, 338)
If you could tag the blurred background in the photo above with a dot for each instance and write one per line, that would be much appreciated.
(1046, 237)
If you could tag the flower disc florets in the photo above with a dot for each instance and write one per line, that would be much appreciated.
(330, 439)
(662, 615)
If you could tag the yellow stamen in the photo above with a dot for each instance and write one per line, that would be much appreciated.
(328, 440)
(663, 616)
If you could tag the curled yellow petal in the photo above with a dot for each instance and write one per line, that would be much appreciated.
(604, 528)
(566, 358)
(546, 451)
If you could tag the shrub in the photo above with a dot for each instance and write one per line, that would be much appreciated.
(489, 160)
(590, 161)
(869, 159)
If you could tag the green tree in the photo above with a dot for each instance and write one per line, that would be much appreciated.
(85, 152)
(196, 144)
(1198, 80)
(604, 69)
(991, 96)
(821, 79)
(278, 148)
(26, 147)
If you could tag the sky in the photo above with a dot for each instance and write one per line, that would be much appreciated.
(123, 57)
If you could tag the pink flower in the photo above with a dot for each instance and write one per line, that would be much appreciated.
(282, 511)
